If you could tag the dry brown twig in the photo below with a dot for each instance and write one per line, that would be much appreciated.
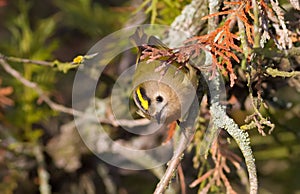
(221, 41)
(181, 179)
(220, 155)
(4, 92)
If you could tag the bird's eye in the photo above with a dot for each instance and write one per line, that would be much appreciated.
(159, 99)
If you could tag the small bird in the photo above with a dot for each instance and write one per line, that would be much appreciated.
(164, 89)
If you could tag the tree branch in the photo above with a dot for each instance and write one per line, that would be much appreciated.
(186, 136)
(43, 175)
(219, 117)
(221, 120)
(40, 92)
(21, 60)
(186, 22)
(61, 108)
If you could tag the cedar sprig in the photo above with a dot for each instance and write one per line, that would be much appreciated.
(222, 43)
(180, 55)
(221, 157)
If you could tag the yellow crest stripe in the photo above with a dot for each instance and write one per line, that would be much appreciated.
(144, 102)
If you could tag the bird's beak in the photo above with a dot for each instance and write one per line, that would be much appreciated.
(157, 116)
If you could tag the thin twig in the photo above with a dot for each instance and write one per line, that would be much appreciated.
(243, 38)
(103, 172)
(202, 178)
(173, 164)
(181, 179)
(183, 22)
(43, 175)
(40, 92)
(22, 60)
(61, 108)
(256, 25)
(188, 133)
(277, 73)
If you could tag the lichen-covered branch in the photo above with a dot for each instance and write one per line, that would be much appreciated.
(277, 73)
(221, 119)
(189, 22)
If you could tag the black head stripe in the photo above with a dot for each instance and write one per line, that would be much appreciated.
(142, 99)
(144, 95)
